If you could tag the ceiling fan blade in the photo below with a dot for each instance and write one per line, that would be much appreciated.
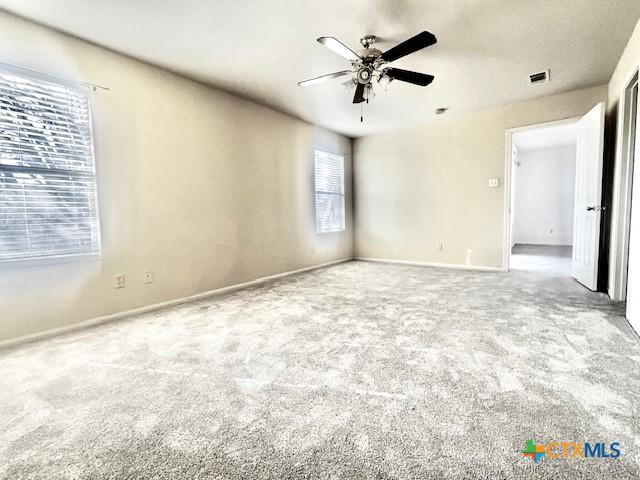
(359, 96)
(420, 41)
(340, 48)
(408, 76)
(324, 78)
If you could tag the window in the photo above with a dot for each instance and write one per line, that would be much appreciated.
(47, 178)
(329, 175)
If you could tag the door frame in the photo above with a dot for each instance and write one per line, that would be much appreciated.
(508, 166)
(621, 198)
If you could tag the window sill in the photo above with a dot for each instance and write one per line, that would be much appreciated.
(44, 261)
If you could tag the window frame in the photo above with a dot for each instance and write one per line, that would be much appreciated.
(55, 259)
(343, 195)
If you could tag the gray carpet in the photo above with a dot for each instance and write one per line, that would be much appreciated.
(358, 371)
(549, 259)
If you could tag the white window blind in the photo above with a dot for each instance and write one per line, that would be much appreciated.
(47, 178)
(329, 180)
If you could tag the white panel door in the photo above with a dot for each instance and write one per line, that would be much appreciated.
(587, 213)
(633, 273)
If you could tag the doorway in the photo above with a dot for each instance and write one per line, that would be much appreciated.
(622, 206)
(543, 175)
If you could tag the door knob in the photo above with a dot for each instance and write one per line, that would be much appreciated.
(593, 208)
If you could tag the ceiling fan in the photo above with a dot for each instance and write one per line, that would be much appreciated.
(369, 64)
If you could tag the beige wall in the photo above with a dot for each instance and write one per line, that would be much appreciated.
(203, 188)
(417, 187)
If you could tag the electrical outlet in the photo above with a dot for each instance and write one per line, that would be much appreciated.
(439, 247)
(148, 277)
(494, 182)
(120, 280)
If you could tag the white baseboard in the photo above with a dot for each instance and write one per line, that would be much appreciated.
(156, 306)
(455, 266)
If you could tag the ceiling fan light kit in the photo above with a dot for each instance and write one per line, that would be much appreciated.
(369, 65)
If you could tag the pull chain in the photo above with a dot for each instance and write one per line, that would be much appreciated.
(361, 117)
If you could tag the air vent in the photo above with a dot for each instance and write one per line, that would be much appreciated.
(540, 77)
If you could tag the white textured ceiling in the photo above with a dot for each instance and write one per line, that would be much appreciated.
(546, 137)
(259, 49)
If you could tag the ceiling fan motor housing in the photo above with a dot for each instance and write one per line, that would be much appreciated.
(369, 54)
